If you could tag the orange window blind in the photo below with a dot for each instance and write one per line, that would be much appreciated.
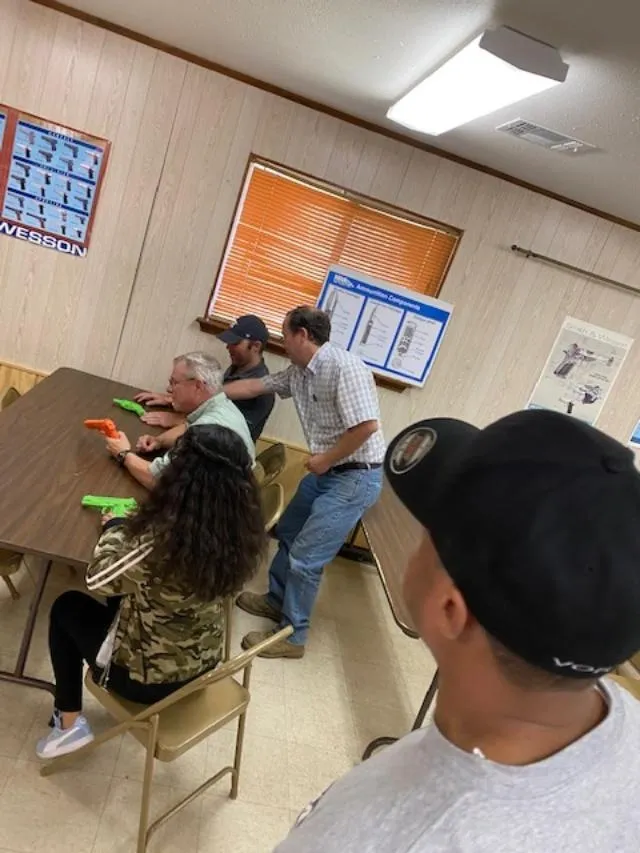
(287, 233)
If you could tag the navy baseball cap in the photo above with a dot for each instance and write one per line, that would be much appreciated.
(246, 328)
(536, 519)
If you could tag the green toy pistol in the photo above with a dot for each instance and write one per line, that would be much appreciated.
(130, 406)
(118, 506)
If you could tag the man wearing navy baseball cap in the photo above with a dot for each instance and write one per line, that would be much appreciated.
(526, 588)
(245, 342)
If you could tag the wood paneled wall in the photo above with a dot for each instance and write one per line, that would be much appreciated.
(15, 376)
(181, 139)
(55, 311)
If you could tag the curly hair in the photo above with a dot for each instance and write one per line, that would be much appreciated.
(204, 515)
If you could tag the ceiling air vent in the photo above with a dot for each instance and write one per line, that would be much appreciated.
(549, 139)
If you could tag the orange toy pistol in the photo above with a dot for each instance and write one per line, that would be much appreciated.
(105, 426)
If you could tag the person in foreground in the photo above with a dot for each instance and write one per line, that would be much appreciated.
(245, 342)
(164, 573)
(196, 392)
(336, 399)
(526, 588)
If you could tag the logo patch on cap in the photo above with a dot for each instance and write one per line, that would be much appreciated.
(411, 449)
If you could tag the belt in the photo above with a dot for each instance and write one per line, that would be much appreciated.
(355, 466)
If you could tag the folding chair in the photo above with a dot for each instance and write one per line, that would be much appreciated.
(169, 728)
(10, 396)
(272, 460)
(258, 473)
(272, 499)
(9, 560)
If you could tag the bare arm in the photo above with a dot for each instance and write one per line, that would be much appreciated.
(168, 439)
(139, 469)
(245, 389)
(347, 444)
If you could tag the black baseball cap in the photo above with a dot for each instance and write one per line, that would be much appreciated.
(536, 519)
(246, 328)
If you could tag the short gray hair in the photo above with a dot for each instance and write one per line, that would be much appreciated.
(204, 367)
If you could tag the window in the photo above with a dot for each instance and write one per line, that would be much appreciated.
(288, 229)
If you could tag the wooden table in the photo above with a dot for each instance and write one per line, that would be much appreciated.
(48, 462)
(394, 535)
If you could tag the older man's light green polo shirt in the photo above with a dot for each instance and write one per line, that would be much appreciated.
(217, 410)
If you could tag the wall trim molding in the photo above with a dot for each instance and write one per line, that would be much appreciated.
(87, 18)
(32, 371)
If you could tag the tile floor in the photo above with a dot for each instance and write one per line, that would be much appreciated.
(308, 724)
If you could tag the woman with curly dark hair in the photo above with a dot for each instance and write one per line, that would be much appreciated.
(165, 572)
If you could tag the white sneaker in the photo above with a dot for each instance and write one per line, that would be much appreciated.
(61, 741)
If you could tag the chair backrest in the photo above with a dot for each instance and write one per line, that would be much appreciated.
(237, 664)
(272, 499)
(10, 396)
(272, 460)
(258, 473)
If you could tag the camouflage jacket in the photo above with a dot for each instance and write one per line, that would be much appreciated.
(164, 632)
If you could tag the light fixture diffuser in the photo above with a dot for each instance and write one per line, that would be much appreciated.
(498, 68)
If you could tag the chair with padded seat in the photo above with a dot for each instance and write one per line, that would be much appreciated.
(272, 461)
(171, 727)
(10, 561)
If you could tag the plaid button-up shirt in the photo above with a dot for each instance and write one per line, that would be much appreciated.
(332, 394)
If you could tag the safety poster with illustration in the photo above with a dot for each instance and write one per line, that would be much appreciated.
(395, 331)
(50, 180)
(581, 368)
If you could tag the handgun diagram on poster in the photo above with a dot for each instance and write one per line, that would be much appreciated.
(395, 331)
(50, 180)
(580, 370)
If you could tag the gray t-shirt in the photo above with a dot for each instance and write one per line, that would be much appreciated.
(424, 795)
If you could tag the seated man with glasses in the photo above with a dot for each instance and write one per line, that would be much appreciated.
(196, 391)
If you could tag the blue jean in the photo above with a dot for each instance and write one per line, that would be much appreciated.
(312, 530)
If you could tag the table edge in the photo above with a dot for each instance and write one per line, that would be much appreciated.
(410, 632)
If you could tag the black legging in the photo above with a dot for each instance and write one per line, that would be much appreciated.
(77, 628)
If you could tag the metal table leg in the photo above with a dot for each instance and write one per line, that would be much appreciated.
(417, 723)
(18, 676)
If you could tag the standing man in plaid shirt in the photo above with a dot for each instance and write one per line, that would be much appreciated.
(336, 400)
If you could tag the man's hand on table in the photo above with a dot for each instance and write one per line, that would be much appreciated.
(150, 398)
(117, 445)
(319, 464)
(147, 444)
(162, 419)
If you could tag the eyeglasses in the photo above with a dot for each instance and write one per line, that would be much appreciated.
(173, 382)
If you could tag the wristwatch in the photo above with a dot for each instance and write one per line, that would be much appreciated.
(121, 457)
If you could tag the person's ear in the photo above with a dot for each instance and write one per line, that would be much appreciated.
(454, 613)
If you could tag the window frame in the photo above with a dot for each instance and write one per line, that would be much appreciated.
(211, 323)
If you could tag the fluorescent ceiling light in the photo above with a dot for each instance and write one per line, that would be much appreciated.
(498, 68)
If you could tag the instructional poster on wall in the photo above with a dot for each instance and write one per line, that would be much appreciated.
(50, 180)
(395, 331)
(580, 371)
